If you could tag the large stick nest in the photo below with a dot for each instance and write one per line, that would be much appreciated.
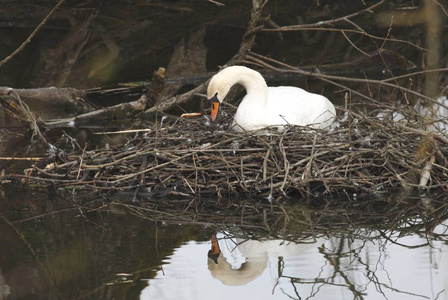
(359, 156)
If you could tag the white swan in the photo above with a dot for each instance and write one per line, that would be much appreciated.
(268, 106)
(236, 261)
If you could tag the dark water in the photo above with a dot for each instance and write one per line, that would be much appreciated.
(55, 248)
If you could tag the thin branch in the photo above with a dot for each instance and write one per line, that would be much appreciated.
(330, 77)
(216, 2)
(289, 28)
(28, 40)
(353, 45)
(330, 22)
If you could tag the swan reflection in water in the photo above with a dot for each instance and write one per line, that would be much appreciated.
(238, 261)
(234, 269)
(340, 267)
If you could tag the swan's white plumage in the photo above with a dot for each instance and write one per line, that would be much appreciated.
(273, 106)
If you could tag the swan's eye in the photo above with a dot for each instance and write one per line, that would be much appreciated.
(214, 99)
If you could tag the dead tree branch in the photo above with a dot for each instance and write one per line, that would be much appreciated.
(60, 99)
(28, 40)
(121, 110)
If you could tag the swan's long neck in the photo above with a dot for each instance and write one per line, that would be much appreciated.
(254, 84)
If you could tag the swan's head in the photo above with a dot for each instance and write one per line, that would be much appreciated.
(217, 90)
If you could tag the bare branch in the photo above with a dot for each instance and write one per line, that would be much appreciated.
(26, 42)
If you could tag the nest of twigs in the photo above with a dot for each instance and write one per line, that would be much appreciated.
(359, 156)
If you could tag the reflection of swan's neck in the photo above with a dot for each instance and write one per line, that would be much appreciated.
(236, 264)
(232, 254)
(242, 261)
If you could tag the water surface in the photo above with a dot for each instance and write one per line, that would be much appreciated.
(67, 252)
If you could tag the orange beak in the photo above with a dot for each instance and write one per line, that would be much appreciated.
(215, 245)
(214, 113)
(214, 252)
